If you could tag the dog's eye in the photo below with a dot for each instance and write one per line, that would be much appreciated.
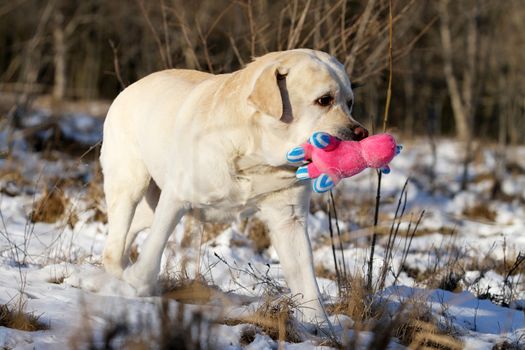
(325, 101)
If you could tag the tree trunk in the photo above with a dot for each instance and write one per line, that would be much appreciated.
(59, 56)
(408, 86)
(461, 105)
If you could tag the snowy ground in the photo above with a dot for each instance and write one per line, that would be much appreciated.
(466, 242)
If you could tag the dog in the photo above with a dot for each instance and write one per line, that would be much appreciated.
(180, 140)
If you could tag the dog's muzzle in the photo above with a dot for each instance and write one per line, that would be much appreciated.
(355, 134)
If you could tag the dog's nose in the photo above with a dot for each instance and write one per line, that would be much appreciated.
(360, 133)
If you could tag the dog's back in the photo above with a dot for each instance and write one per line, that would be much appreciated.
(135, 121)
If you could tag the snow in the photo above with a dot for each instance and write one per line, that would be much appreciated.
(34, 257)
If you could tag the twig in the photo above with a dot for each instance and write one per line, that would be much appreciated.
(407, 246)
(116, 65)
(184, 29)
(253, 33)
(338, 235)
(379, 174)
(297, 30)
(166, 33)
(205, 47)
(390, 66)
(392, 236)
(336, 264)
(374, 235)
(236, 50)
(154, 33)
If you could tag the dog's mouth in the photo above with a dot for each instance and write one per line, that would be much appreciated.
(352, 134)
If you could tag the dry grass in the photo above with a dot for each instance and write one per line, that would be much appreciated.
(354, 300)
(57, 279)
(257, 231)
(197, 232)
(512, 264)
(412, 324)
(510, 345)
(274, 317)
(447, 278)
(50, 207)
(179, 330)
(188, 291)
(95, 196)
(480, 211)
(14, 316)
(515, 168)
(324, 272)
(427, 335)
(12, 179)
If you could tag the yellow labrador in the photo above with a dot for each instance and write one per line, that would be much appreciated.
(218, 143)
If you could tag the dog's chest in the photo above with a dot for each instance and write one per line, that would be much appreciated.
(262, 180)
(248, 187)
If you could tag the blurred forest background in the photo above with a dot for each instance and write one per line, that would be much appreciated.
(458, 65)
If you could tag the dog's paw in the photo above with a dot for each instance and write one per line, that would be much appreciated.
(323, 183)
(142, 287)
(99, 281)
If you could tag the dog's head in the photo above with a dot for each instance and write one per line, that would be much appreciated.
(298, 92)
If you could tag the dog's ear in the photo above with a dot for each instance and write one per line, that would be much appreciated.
(266, 94)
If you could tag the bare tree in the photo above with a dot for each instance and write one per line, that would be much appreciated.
(462, 98)
(59, 55)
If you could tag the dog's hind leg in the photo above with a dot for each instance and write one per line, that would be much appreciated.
(143, 217)
(143, 274)
(125, 182)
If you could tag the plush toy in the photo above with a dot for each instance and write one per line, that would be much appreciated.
(332, 159)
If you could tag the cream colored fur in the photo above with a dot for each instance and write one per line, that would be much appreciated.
(179, 140)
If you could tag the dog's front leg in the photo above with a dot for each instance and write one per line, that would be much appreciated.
(286, 213)
(144, 273)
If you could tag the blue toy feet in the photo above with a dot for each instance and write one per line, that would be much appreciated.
(385, 170)
(323, 184)
(320, 139)
(302, 173)
(296, 155)
(399, 148)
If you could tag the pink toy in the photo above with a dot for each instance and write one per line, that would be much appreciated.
(333, 159)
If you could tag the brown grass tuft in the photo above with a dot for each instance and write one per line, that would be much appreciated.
(182, 288)
(195, 292)
(480, 211)
(323, 272)
(212, 230)
(95, 196)
(51, 207)
(197, 232)
(413, 323)
(426, 335)
(274, 318)
(354, 301)
(507, 345)
(57, 279)
(257, 231)
(13, 316)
